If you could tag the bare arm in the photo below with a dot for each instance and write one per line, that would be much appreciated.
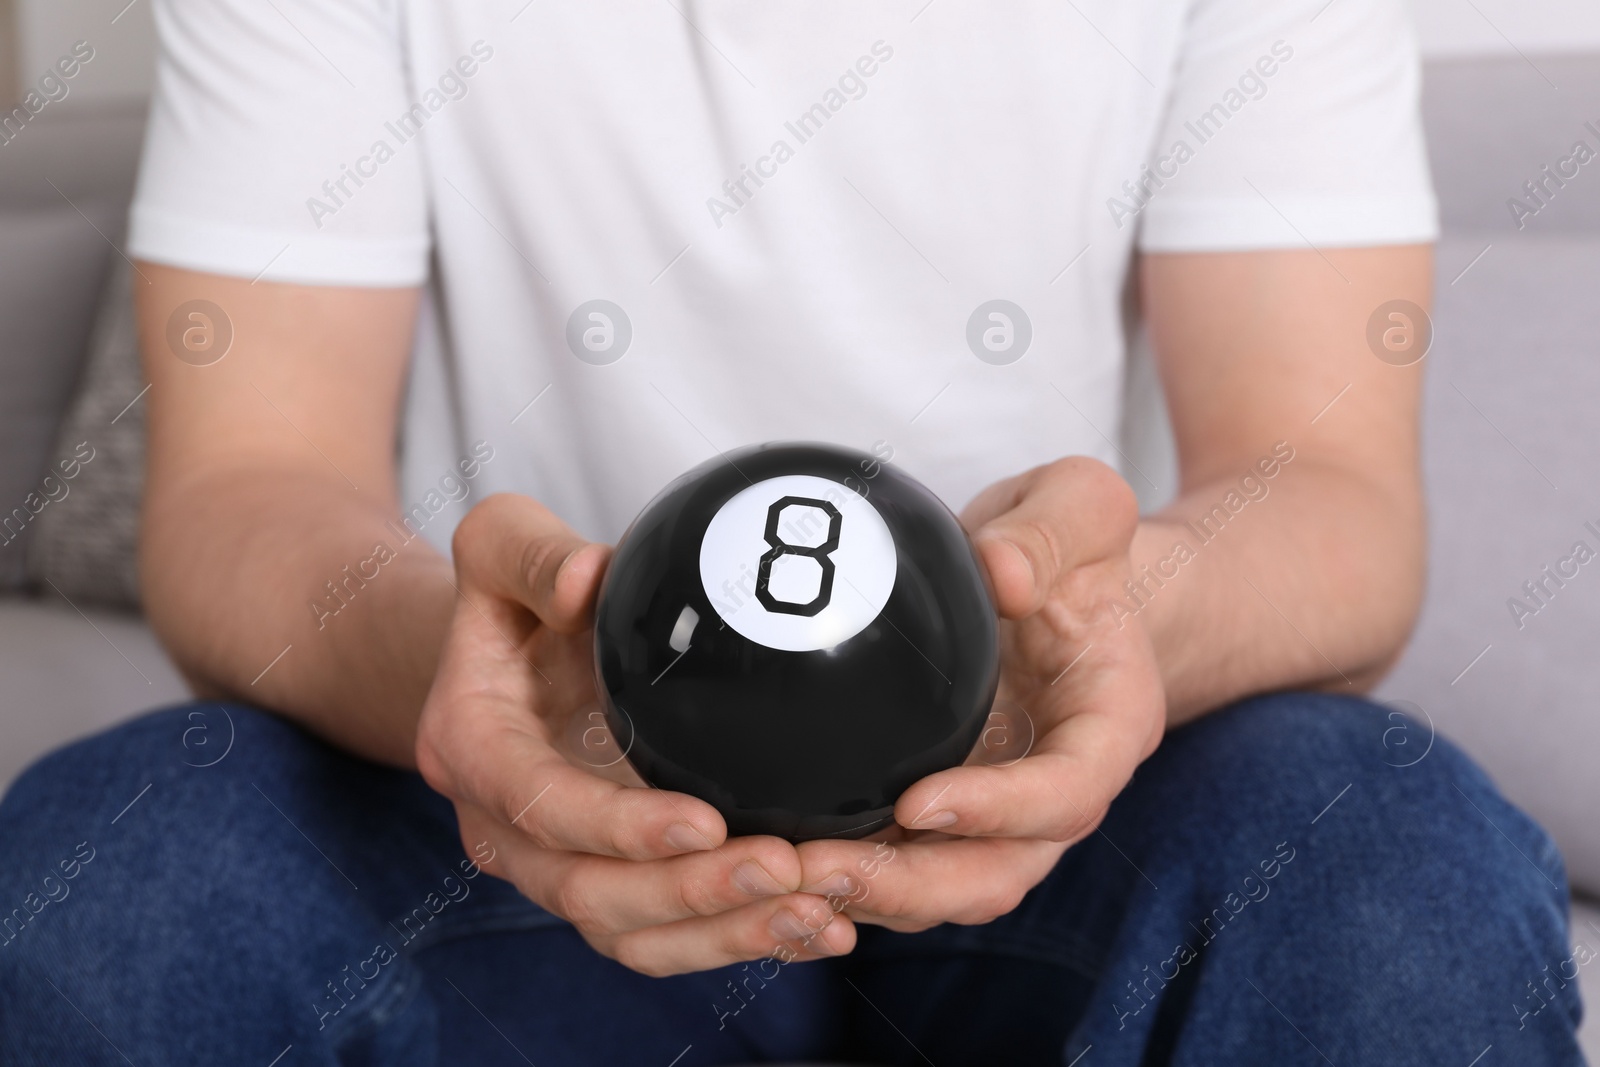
(1316, 583)
(270, 472)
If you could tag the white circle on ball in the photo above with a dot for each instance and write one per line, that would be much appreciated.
(797, 563)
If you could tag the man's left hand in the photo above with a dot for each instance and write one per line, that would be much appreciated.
(971, 841)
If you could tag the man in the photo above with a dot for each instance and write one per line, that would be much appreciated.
(560, 254)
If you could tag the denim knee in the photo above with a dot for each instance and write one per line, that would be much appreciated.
(1294, 857)
(1356, 773)
(1405, 849)
(188, 881)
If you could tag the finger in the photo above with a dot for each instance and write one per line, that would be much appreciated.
(1063, 788)
(916, 884)
(602, 896)
(1049, 796)
(529, 787)
(514, 548)
(481, 741)
(1032, 531)
(789, 928)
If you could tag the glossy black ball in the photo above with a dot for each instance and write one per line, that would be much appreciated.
(796, 633)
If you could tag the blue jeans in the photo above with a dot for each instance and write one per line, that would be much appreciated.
(1284, 882)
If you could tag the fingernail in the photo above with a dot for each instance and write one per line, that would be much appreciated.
(820, 946)
(752, 878)
(566, 561)
(1000, 539)
(787, 926)
(935, 821)
(837, 884)
(685, 838)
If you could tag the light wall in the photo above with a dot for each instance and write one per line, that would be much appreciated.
(123, 36)
(1504, 27)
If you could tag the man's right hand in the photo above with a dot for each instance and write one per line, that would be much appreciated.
(647, 877)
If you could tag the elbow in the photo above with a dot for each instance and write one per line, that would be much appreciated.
(1389, 576)
(167, 595)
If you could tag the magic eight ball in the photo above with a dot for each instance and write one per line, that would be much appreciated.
(795, 633)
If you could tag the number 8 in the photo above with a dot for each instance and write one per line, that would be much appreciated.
(782, 548)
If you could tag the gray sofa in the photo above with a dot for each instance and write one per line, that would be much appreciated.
(64, 186)
(1511, 454)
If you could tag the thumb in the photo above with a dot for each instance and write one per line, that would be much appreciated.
(514, 548)
(1021, 562)
(1065, 515)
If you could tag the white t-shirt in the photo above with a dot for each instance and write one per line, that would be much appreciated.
(800, 214)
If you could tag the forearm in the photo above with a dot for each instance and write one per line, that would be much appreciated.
(1313, 584)
(298, 594)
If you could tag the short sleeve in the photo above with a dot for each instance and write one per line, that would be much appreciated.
(277, 145)
(1290, 123)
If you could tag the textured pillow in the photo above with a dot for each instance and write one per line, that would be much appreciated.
(51, 265)
(85, 544)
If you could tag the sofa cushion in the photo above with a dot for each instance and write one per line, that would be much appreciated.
(1513, 486)
(68, 674)
(82, 151)
(51, 264)
(1494, 124)
(1508, 440)
(64, 190)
